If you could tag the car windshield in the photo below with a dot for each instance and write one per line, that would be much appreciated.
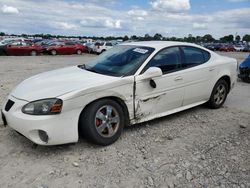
(123, 60)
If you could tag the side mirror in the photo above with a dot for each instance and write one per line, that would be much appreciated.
(152, 72)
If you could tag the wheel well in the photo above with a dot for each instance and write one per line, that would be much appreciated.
(227, 79)
(116, 99)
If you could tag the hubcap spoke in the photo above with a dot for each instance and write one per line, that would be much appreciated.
(100, 116)
(102, 127)
(109, 111)
(222, 90)
(216, 96)
(114, 119)
(110, 130)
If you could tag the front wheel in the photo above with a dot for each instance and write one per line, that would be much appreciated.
(219, 94)
(53, 52)
(33, 53)
(78, 52)
(102, 122)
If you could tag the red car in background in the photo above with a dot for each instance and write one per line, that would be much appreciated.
(23, 48)
(66, 48)
(227, 48)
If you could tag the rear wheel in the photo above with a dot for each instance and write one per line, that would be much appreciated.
(102, 122)
(219, 94)
(53, 52)
(33, 53)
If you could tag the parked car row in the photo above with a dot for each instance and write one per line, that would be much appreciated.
(21, 46)
(228, 47)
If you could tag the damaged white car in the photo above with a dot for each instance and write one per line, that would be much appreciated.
(129, 84)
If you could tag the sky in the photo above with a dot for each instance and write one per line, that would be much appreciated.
(177, 18)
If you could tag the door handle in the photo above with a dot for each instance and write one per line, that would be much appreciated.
(211, 69)
(178, 78)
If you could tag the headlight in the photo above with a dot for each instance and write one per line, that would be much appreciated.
(43, 107)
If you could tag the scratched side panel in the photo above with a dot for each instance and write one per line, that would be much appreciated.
(150, 102)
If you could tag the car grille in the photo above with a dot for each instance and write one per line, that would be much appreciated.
(8, 105)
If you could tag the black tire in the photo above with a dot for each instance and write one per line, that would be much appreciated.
(217, 98)
(89, 119)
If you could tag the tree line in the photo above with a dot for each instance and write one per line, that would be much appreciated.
(190, 38)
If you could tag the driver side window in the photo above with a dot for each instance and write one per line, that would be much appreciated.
(168, 60)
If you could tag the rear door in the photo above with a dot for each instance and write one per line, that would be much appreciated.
(70, 47)
(197, 74)
(61, 48)
(25, 49)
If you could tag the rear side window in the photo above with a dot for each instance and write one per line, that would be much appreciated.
(109, 44)
(69, 43)
(99, 44)
(194, 56)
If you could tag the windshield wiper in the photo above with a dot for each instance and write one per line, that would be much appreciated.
(83, 66)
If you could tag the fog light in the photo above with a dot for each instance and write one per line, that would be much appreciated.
(43, 136)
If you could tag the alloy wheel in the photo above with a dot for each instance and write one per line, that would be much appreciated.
(220, 94)
(107, 121)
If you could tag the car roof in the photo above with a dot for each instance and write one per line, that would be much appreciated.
(160, 44)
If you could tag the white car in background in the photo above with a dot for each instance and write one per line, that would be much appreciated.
(101, 47)
(10, 40)
(130, 83)
(239, 48)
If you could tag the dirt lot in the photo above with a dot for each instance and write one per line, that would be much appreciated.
(199, 147)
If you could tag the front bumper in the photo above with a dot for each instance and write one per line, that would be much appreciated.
(60, 129)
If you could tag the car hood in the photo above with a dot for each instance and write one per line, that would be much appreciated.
(58, 82)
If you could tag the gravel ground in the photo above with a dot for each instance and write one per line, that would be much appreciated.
(199, 147)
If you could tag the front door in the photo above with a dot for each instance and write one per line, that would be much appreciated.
(162, 95)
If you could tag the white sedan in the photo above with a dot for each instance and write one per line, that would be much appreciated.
(131, 83)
